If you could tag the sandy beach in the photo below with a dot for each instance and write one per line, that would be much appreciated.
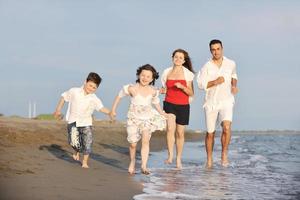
(36, 161)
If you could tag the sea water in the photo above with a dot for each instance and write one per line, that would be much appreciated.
(263, 166)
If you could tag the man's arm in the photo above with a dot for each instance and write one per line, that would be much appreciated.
(216, 82)
(234, 88)
(57, 112)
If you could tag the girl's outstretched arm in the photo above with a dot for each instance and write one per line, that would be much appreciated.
(113, 113)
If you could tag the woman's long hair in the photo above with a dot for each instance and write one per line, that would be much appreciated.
(188, 63)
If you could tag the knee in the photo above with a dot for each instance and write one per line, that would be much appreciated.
(179, 134)
(132, 145)
(210, 136)
(226, 128)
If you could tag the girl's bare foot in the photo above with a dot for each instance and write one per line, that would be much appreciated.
(209, 164)
(131, 168)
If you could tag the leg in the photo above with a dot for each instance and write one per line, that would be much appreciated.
(179, 144)
(87, 141)
(76, 155)
(85, 161)
(171, 125)
(132, 152)
(145, 151)
(225, 140)
(209, 145)
(211, 119)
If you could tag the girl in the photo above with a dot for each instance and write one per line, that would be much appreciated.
(177, 84)
(142, 118)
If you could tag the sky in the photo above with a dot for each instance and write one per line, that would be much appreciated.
(48, 47)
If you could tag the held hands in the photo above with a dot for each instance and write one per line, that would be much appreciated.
(112, 116)
(163, 90)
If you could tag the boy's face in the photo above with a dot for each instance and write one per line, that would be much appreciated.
(145, 77)
(90, 87)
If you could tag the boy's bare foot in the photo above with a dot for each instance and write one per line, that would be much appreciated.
(131, 168)
(76, 156)
(84, 165)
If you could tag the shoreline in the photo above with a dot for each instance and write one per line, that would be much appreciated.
(36, 161)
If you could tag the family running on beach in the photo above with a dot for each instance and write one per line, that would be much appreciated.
(218, 78)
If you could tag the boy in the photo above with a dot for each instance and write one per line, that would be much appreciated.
(82, 103)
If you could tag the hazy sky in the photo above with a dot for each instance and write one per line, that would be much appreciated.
(49, 46)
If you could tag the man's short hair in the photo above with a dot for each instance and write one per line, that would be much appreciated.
(215, 41)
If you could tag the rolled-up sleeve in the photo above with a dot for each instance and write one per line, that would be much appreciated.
(234, 74)
(164, 78)
(202, 79)
(98, 103)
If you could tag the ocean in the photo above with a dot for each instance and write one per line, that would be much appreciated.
(263, 166)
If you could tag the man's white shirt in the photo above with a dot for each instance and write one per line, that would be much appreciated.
(220, 95)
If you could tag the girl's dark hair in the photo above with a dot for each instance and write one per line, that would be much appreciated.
(94, 77)
(188, 63)
(155, 74)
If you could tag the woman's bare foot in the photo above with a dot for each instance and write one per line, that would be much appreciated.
(178, 164)
(76, 156)
(168, 161)
(131, 168)
(145, 171)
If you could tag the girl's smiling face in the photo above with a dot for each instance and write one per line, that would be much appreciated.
(145, 77)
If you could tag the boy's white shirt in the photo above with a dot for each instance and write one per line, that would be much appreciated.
(188, 76)
(81, 106)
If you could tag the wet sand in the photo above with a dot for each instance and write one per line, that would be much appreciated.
(36, 161)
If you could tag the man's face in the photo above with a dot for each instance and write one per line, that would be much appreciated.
(216, 51)
(90, 87)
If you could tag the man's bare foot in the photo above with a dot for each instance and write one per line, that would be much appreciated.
(76, 156)
(85, 165)
(209, 164)
(131, 168)
(224, 160)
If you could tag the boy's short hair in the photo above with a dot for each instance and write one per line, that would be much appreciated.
(94, 77)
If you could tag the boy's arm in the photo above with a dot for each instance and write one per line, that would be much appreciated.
(104, 110)
(57, 113)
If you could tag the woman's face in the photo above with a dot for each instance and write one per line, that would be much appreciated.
(178, 59)
(145, 77)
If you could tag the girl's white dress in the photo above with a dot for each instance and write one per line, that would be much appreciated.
(141, 115)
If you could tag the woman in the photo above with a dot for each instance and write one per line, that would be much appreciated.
(177, 84)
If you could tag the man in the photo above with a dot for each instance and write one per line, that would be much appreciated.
(219, 80)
